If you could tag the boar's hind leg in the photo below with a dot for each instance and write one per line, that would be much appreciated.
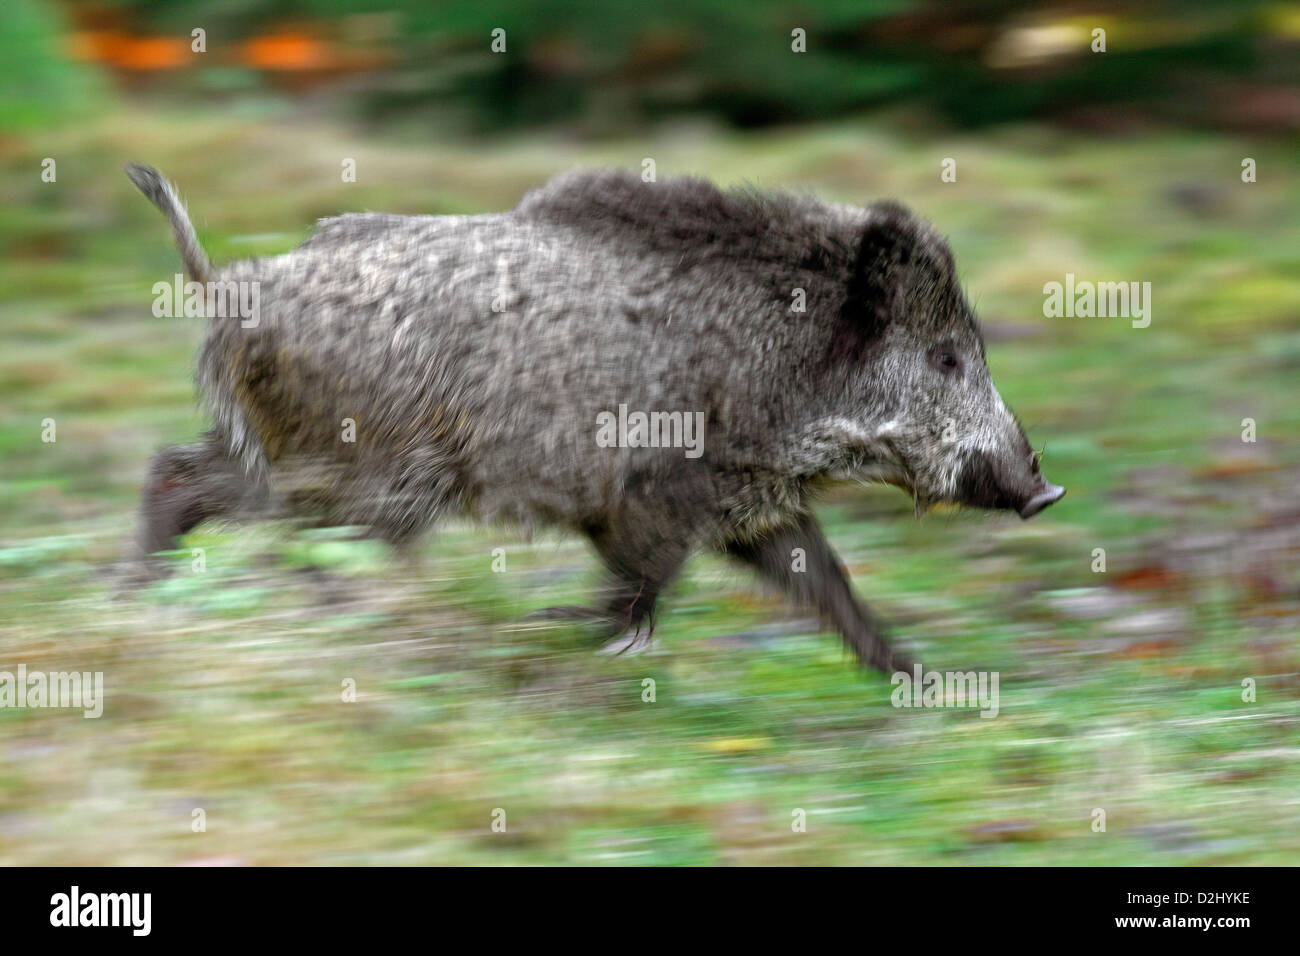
(186, 484)
(823, 584)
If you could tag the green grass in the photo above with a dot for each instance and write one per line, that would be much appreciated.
(224, 687)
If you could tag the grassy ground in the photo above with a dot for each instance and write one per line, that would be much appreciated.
(1119, 690)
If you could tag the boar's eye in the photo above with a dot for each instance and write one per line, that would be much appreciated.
(945, 359)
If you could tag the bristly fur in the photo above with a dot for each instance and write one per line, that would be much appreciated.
(474, 353)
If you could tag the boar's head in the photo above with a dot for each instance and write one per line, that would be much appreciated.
(924, 406)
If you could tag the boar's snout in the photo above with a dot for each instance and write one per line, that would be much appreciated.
(1050, 495)
(986, 482)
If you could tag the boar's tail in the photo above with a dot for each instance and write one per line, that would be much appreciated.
(163, 195)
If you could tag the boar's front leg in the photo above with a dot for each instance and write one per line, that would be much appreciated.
(823, 584)
(642, 552)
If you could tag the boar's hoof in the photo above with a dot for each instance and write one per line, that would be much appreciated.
(631, 642)
(137, 570)
(894, 663)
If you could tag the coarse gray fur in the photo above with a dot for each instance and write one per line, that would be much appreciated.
(475, 353)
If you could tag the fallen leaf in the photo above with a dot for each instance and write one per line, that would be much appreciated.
(736, 745)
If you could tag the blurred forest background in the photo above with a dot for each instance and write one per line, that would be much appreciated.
(1120, 689)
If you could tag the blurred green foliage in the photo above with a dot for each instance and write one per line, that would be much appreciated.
(614, 65)
(38, 84)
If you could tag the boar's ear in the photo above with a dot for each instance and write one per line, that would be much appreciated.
(886, 250)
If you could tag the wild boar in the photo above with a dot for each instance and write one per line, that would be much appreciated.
(661, 366)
